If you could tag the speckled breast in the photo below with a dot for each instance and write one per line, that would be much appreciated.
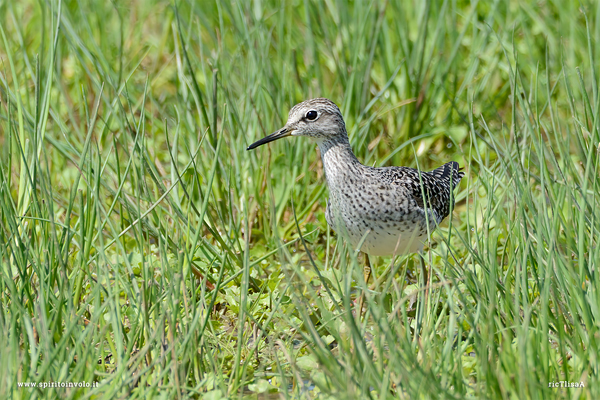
(394, 233)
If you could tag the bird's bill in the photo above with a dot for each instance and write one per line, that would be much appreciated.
(273, 136)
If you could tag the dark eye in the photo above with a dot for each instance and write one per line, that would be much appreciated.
(311, 115)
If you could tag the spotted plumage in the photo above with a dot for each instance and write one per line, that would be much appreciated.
(384, 210)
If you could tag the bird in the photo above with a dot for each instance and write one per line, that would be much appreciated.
(382, 211)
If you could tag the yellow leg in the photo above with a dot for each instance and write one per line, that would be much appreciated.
(422, 303)
(367, 269)
(425, 273)
(367, 276)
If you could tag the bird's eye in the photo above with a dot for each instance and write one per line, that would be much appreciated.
(311, 115)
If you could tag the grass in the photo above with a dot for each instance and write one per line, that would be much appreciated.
(143, 251)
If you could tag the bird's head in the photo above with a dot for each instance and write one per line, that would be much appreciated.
(317, 118)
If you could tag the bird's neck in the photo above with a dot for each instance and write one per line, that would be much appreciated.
(338, 158)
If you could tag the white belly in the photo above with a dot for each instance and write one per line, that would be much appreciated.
(386, 244)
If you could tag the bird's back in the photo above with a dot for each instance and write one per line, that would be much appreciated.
(432, 189)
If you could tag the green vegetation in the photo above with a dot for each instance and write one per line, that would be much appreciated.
(144, 250)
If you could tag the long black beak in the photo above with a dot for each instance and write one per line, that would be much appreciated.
(273, 136)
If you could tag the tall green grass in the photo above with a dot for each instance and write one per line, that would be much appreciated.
(144, 251)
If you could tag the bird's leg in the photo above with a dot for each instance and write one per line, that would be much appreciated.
(367, 269)
(425, 274)
(367, 276)
(421, 305)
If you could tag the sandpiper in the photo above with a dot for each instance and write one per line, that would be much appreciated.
(385, 211)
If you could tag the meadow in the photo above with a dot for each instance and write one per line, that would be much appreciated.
(146, 254)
